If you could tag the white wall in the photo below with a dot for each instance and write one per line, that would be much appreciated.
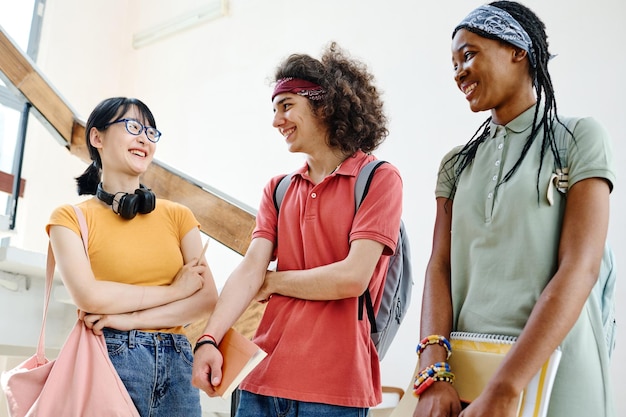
(208, 89)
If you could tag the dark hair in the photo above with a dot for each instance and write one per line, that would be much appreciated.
(543, 86)
(351, 108)
(105, 112)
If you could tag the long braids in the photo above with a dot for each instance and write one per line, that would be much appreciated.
(543, 86)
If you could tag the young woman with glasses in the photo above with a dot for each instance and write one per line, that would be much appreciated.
(143, 279)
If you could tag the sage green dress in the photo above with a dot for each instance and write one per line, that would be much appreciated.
(505, 238)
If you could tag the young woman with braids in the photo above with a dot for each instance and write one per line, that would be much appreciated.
(321, 359)
(510, 256)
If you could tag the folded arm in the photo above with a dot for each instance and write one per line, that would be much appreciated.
(343, 279)
(176, 313)
(107, 297)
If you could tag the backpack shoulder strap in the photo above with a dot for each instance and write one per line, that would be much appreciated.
(361, 187)
(281, 189)
(565, 138)
(364, 180)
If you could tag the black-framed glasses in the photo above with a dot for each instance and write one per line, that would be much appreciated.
(135, 128)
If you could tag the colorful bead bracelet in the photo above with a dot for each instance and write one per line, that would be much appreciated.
(434, 340)
(440, 371)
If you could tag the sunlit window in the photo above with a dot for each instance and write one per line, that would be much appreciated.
(16, 19)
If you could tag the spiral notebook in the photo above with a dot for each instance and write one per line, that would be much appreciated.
(476, 357)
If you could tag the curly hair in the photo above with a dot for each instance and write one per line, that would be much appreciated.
(352, 107)
(543, 86)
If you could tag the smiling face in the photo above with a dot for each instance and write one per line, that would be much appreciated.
(122, 151)
(492, 74)
(297, 123)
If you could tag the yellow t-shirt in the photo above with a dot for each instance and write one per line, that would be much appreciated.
(145, 250)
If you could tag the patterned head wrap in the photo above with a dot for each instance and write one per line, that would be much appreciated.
(499, 23)
(299, 86)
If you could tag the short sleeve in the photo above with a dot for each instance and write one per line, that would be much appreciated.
(590, 155)
(446, 176)
(63, 216)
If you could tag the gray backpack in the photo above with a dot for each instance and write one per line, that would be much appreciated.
(398, 281)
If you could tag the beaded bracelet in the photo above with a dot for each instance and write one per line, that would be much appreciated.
(206, 335)
(204, 342)
(440, 371)
(434, 340)
(419, 389)
(431, 371)
(444, 376)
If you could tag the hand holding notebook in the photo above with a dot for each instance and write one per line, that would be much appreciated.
(474, 360)
(476, 357)
(241, 356)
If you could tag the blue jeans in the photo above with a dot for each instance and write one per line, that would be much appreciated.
(156, 370)
(254, 405)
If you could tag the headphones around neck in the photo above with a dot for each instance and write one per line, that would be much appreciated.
(141, 201)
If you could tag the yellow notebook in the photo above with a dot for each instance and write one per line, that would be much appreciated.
(475, 358)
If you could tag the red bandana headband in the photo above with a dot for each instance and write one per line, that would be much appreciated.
(299, 86)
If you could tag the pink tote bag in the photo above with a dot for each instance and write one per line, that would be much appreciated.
(80, 382)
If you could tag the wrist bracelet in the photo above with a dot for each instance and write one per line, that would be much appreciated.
(440, 371)
(434, 340)
(432, 370)
(204, 342)
(206, 335)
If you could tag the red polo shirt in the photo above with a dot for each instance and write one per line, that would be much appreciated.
(318, 351)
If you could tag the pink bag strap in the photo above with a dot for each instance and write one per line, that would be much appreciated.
(50, 265)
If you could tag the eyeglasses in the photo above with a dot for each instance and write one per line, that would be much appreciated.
(135, 128)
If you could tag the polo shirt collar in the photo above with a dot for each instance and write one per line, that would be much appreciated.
(350, 166)
(518, 125)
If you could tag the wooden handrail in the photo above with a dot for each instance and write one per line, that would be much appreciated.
(6, 183)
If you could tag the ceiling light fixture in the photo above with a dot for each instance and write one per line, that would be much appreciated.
(213, 10)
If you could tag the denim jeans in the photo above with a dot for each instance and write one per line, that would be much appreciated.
(156, 370)
(254, 405)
